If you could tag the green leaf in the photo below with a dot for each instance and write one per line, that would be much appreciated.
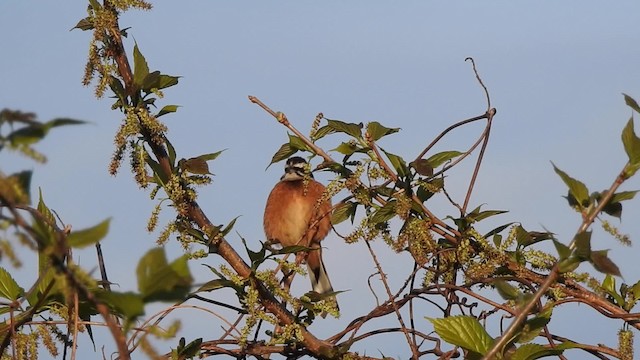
(140, 67)
(346, 148)
(84, 24)
(631, 102)
(577, 189)
(631, 144)
(609, 286)
(151, 80)
(90, 236)
(344, 211)
(583, 245)
(613, 209)
(377, 131)
(229, 226)
(602, 263)
(171, 151)
(215, 285)
(635, 290)
(9, 288)
(623, 195)
(535, 351)
(158, 280)
(195, 166)
(62, 122)
(442, 157)
(16, 188)
(211, 156)
(563, 250)
(506, 290)
(354, 130)
(463, 331)
(497, 230)
(423, 167)
(569, 264)
(322, 132)
(477, 215)
(41, 226)
(284, 152)
(385, 213)
(297, 143)
(532, 327)
(128, 304)
(95, 5)
(189, 351)
(167, 109)
(398, 163)
(166, 81)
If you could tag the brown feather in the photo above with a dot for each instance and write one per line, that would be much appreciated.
(293, 216)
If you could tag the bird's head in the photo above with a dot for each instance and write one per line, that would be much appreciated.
(297, 168)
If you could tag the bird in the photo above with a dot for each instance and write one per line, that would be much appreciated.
(298, 212)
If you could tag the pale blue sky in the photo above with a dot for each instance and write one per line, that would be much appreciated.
(555, 72)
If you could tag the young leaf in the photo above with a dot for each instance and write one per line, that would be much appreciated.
(171, 151)
(506, 290)
(535, 351)
(140, 67)
(166, 81)
(463, 331)
(577, 189)
(532, 327)
(195, 165)
(423, 167)
(297, 143)
(41, 226)
(90, 236)
(210, 156)
(322, 132)
(442, 157)
(398, 163)
(84, 24)
(355, 130)
(284, 152)
(346, 148)
(129, 304)
(569, 264)
(158, 280)
(583, 245)
(609, 286)
(563, 250)
(167, 109)
(497, 230)
(385, 213)
(377, 131)
(631, 102)
(631, 144)
(216, 284)
(602, 263)
(343, 211)
(9, 288)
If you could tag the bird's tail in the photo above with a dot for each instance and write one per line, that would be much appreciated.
(320, 282)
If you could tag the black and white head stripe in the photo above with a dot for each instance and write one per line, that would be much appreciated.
(296, 169)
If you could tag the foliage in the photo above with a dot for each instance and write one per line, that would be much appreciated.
(383, 196)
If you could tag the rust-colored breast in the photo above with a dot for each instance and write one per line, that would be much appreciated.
(289, 213)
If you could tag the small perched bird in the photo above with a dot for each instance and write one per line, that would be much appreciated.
(294, 216)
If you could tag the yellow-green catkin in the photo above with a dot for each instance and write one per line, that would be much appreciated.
(625, 344)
